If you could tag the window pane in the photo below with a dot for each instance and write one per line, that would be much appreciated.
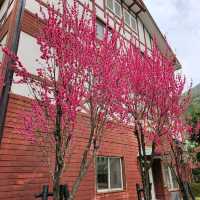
(133, 23)
(110, 4)
(100, 30)
(115, 173)
(166, 176)
(174, 181)
(127, 18)
(118, 11)
(102, 173)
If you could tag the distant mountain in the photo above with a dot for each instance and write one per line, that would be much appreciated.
(194, 107)
(196, 91)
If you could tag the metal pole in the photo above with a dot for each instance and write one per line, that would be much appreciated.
(9, 71)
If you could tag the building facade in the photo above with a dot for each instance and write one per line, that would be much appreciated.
(23, 169)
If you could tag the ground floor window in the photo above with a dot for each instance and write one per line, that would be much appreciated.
(109, 174)
(169, 178)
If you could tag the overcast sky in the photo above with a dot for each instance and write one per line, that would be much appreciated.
(179, 20)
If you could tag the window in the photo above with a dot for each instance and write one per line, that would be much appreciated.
(110, 5)
(109, 174)
(99, 30)
(148, 38)
(169, 178)
(141, 31)
(127, 18)
(130, 20)
(118, 10)
(133, 23)
(114, 6)
(2, 42)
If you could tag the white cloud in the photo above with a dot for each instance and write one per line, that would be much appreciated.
(180, 21)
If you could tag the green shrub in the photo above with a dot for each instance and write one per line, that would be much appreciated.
(198, 156)
(196, 171)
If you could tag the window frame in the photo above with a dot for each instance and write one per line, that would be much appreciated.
(116, 2)
(124, 17)
(109, 189)
(131, 18)
(114, 10)
(131, 14)
(102, 24)
(171, 186)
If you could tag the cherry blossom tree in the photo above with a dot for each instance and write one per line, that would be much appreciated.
(152, 102)
(79, 71)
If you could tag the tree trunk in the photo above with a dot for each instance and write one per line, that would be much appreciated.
(59, 159)
(144, 165)
(84, 162)
(178, 174)
(146, 185)
(83, 169)
(59, 164)
(183, 191)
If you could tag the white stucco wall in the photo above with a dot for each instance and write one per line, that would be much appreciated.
(2, 42)
(28, 52)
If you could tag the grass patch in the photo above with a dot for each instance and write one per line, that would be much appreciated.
(196, 190)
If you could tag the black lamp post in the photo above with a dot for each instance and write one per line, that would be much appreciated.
(9, 71)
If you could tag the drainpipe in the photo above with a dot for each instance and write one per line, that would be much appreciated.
(14, 42)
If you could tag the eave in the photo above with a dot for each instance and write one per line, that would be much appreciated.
(140, 9)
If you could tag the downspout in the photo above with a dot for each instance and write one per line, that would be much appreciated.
(15, 35)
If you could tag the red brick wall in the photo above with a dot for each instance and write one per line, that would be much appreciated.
(23, 169)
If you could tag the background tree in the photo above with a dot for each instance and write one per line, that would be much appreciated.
(193, 115)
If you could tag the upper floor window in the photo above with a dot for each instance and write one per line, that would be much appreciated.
(115, 7)
(130, 20)
(109, 174)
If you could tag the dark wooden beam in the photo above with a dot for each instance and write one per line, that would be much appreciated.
(138, 12)
(131, 5)
(1, 3)
(139, 3)
(18, 14)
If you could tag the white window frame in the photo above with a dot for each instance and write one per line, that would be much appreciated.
(126, 11)
(131, 17)
(113, 5)
(108, 6)
(171, 183)
(121, 177)
(115, 2)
